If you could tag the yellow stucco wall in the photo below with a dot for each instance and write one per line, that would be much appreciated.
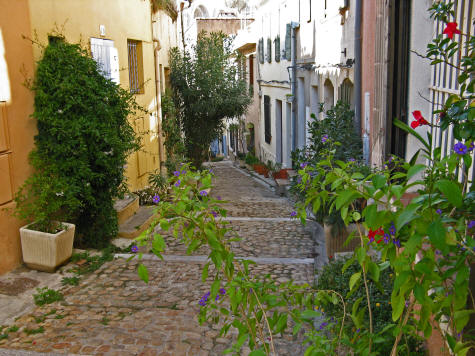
(78, 21)
(17, 129)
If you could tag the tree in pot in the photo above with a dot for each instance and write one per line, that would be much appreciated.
(84, 138)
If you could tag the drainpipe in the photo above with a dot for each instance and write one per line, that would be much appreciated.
(157, 92)
(358, 67)
(293, 83)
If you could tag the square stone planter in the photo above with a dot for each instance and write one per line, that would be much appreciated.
(44, 251)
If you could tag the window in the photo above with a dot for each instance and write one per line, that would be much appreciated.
(107, 58)
(251, 74)
(345, 92)
(267, 134)
(260, 48)
(277, 48)
(269, 50)
(134, 49)
(288, 39)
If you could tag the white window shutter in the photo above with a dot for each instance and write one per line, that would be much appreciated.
(114, 65)
(103, 52)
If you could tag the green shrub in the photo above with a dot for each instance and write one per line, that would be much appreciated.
(83, 141)
(251, 159)
(46, 296)
(332, 277)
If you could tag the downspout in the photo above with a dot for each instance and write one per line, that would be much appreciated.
(293, 82)
(157, 92)
(358, 67)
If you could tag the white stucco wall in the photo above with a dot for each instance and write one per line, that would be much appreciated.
(422, 32)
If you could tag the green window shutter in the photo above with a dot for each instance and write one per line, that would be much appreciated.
(269, 50)
(277, 48)
(288, 40)
(261, 50)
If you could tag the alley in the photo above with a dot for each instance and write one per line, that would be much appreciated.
(112, 312)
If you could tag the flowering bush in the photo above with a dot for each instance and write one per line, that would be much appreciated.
(428, 245)
(83, 141)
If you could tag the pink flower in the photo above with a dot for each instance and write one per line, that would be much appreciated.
(419, 119)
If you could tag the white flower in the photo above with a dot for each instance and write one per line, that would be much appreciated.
(60, 194)
(60, 111)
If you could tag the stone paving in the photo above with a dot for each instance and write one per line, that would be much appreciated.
(112, 312)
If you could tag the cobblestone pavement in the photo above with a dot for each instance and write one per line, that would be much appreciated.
(112, 312)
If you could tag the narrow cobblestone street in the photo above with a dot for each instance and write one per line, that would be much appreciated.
(112, 312)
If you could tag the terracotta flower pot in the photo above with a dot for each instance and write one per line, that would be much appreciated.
(282, 174)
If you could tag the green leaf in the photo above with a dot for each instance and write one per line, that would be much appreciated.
(354, 278)
(379, 181)
(408, 129)
(451, 190)
(461, 318)
(407, 215)
(398, 303)
(373, 270)
(436, 232)
(309, 314)
(344, 197)
(143, 273)
(415, 169)
(257, 353)
(158, 243)
(164, 224)
(204, 272)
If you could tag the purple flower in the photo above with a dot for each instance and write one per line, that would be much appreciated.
(177, 184)
(471, 224)
(323, 325)
(358, 330)
(397, 243)
(324, 138)
(460, 148)
(303, 165)
(392, 229)
(183, 172)
(134, 248)
(390, 159)
(156, 199)
(217, 297)
(407, 303)
(386, 238)
(222, 291)
(351, 160)
(202, 303)
(214, 213)
(438, 211)
(218, 197)
(299, 180)
(293, 213)
(176, 173)
(437, 252)
(203, 193)
(472, 147)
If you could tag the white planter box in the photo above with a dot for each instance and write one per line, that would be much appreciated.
(45, 252)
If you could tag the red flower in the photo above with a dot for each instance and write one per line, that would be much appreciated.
(373, 233)
(419, 119)
(451, 29)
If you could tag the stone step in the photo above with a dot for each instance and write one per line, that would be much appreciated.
(126, 207)
(137, 223)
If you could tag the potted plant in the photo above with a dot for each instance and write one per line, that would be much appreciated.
(47, 241)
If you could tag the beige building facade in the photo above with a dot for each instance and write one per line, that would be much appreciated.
(131, 44)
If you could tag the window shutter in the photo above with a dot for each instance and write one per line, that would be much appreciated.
(101, 52)
(267, 134)
(261, 50)
(288, 40)
(269, 50)
(277, 48)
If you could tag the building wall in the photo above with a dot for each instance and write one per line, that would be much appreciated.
(16, 126)
(78, 21)
(165, 37)
(422, 30)
(368, 24)
(325, 49)
(225, 25)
